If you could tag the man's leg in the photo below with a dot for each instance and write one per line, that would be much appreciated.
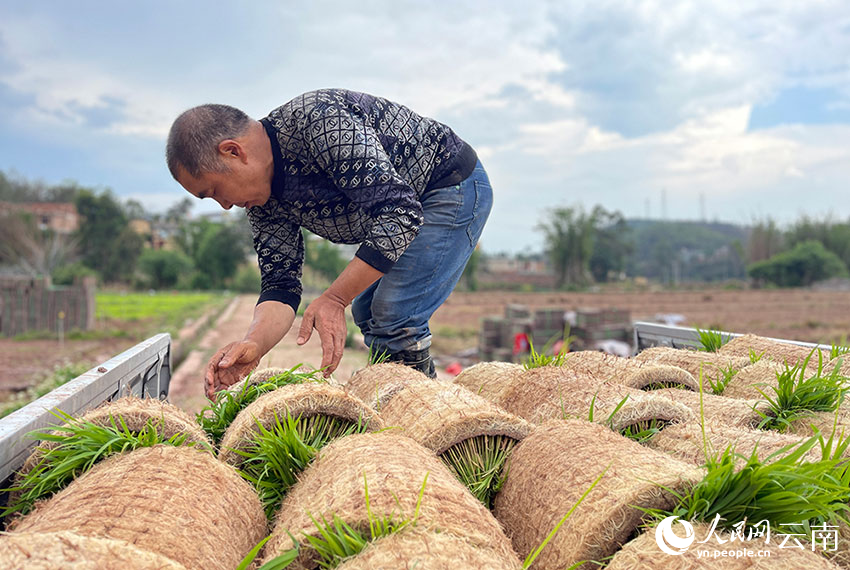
(401, 303)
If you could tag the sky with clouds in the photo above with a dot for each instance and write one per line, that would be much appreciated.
(688, 109)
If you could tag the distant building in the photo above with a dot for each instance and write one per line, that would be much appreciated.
(158, 234)
(61, 218)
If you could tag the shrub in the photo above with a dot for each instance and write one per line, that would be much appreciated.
(808, 262)
(162, 269)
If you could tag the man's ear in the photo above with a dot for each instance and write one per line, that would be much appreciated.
(230, 148)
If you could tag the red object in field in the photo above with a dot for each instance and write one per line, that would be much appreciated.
(520, 343)
(454, 368)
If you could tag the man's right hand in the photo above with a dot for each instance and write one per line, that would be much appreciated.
(230, 365)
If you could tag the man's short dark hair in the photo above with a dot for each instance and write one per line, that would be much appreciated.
(195, 134)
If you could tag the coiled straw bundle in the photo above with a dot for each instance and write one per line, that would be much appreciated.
(394, 467)
(176, 502)
(376, 384)
(551, 469)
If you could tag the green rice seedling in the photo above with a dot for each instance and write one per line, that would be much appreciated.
(276, 456)
(711, 340)
(479, 463)
(839, 349)
(643, 431)
(215, 418)
(538, 360)
(719, 385)
(795, 396)
(755, 356)
(781, 489)
(543, 358)
(78, 446)
(376, 357)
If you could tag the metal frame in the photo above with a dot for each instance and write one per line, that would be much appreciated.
(143, 370)
(653, 334)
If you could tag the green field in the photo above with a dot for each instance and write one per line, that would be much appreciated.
(165, 311)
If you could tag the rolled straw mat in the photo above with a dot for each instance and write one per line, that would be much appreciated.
(394, 467)
(646, 407)
(68, 551)
(685, 441)
(414, 548)
(549, 471)
(627, 371)
(438, 415)
(747, 382)
(168, 419)
(718, 409)
(176, 502)
(551, 392)
(710, 364)
(643, 553)
(304, 400)
(782, 352)
(489, 379)
(376, 384)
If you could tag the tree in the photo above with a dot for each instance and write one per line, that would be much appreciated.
(324, 257)
(570, 234)
(30, 250)
(161, 269)
(107, 243)
(611, 246)
(765, 241)
(216, 250)
(835, 236)
(801, 266)
(179, 211)
(134, 210)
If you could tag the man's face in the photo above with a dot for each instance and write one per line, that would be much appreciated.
(245, 180)
(234, 188)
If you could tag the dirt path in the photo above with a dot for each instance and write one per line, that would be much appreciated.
(186, 388)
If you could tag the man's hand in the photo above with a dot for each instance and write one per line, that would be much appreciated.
(327, 315)
(230, 365)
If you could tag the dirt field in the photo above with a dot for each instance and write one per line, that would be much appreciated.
(815, 316)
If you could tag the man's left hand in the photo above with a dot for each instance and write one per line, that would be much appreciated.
(327, 315)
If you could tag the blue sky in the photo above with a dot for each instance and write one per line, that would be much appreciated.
(745, 104)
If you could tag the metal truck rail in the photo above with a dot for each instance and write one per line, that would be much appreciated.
(143, 370)
(647, 335)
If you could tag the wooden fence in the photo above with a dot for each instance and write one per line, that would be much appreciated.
(35, 305)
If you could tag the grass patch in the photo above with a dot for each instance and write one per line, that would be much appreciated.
(78, 446)
(216, 417)
(719, 386)
(275, 456)
(60, 376)
(162, 311)
(479, 463)
(795, 396)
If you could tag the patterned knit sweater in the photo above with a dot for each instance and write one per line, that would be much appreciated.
(351, 168)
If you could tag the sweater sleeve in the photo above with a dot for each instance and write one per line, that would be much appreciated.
(348, 149)
(280, 254)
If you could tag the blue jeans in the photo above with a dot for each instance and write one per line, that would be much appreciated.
(393, 313)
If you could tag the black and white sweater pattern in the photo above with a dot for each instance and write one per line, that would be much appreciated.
(351, 168)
